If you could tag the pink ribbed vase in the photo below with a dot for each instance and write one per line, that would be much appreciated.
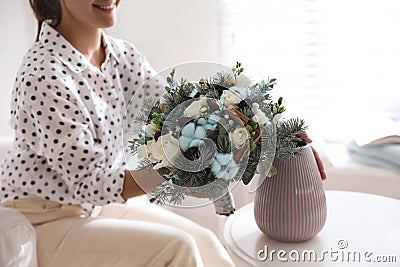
(291, 206)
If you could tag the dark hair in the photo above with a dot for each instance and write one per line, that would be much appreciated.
(46, 10)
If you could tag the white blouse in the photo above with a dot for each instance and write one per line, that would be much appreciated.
(68, 121)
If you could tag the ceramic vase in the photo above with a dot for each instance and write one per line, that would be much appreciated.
(291, 205)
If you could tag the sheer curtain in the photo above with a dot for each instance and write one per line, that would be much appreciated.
(337, 62)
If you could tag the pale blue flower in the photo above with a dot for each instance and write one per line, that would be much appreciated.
(184, 142)
(224, 158)
(189, 130)
(192, 135)
(224, 166)
(200, 133)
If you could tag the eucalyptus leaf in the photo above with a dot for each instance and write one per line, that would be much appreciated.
(223, 144)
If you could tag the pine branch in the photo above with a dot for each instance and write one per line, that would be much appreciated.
(167, 192)
(288, 139)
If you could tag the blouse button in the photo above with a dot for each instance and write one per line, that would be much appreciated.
(44, 206)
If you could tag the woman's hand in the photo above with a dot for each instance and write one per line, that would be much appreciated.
(137, 183)
(320, 164)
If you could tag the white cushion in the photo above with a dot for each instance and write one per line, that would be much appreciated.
(348, 175)
(17, 240)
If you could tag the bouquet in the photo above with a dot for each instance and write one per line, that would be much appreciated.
(204, 136)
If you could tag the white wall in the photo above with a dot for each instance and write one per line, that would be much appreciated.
(170, 32)
(167, 32)
(18, 29)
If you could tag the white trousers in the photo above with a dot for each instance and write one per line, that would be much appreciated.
(134, 234)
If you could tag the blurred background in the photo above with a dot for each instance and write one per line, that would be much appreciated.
(336, 62)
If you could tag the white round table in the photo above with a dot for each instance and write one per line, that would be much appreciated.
(361, 230)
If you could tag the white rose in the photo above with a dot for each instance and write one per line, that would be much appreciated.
(165, 150)
(255, 107)
(170, 147)
(151, 129)
(239, 137)
(260, 117)
(145, 151)
(230, 97)
(193, 110)
(157, 151)
(196, 108)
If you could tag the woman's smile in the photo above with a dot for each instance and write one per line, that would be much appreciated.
(105, 7)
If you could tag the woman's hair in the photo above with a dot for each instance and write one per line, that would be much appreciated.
(46, 10)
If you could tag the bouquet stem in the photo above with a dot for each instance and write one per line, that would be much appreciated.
(225, 205)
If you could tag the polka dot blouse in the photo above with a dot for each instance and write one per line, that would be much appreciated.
(68, 121)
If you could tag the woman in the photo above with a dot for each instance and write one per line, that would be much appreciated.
(67, 109)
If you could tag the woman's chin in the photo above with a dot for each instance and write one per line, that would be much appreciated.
(106, 18)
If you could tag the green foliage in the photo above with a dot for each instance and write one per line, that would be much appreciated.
(248, 174)
(171, 81)
(253, 160)
(177, 93)
(157, 119)
(223, 144)
(168, 192)
(245, 108)
(211, 88)
(237, 70)
(278, 108)
(288, 137)
(267, 86)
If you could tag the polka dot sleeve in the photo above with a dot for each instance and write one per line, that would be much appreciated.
(57, 126)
